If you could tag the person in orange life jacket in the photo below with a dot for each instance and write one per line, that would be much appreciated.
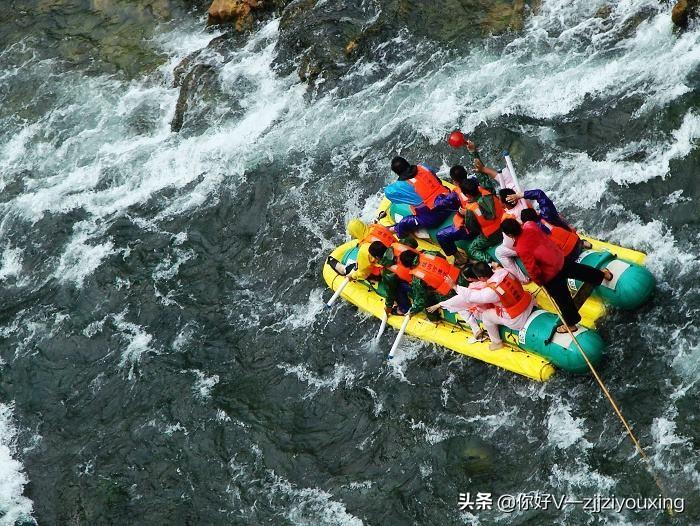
(567, 240)
(548, 211)
(459, 304)
(497, 298)
(546, 266)
(504, 252)
(432, 279)
(417, 186)
(508, 303)
(482, 215)
(368, 266)
(410, 278)
(455, 202)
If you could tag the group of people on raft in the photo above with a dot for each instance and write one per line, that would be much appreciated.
(489, 210)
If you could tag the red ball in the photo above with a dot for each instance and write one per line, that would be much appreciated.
(456, 139)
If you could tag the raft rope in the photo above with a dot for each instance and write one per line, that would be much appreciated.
(639, 447)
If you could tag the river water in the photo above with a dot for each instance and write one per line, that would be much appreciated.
(165, 355)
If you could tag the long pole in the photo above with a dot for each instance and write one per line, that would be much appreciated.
(511, 169)
(636, 443)
(399, 336)
(385, 317)
(337, 293)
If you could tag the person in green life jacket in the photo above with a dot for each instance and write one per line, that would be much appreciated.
(482, 215)
(390, 287)
(458, 140)
(413, 280)
(456, 201)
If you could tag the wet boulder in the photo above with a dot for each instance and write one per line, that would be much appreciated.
(314, 36)
(684, 11)
(504, 16)
(200, 92)
(196, 79)
(241, 12)
(236, 11)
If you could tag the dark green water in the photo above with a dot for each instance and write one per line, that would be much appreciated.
(166, 357)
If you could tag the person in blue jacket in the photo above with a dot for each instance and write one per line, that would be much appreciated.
(419, 187)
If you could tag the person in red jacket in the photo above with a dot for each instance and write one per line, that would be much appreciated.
(567, 240)
(546, 265)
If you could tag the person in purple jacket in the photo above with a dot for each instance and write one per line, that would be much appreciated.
(548, 211)
(419, 187)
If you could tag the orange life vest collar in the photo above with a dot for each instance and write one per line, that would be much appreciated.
(436, 272)
(488, 226)
(514, 300)
(401, 271)
(566, 240)
(377, 232)
(427, 185)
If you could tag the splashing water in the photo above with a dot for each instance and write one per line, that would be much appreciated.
(133, 254)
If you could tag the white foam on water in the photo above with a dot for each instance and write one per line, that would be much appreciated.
(11, 264)
(94, 327)
(675, 198)
(341, 375)
(664, 255)
(96, 383)
(80, 258)
(408, 349)
(30, 329)
(686, 359)
(177, 427)
(168, 268)
(673, 452)
(14, 506)
(312, 506)
(579, 480)
(565, 431)
(493, 423)
(378, 403)
(445, 388)
(204, 384)
(580, 181)
(304, 315)
(182, 41)
(431, 433)
(222, 416)
(139, 342)
(185, 336)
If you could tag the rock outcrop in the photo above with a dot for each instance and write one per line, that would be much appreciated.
(236, 11)
(504, 16)
(323, 39)
(684, 11)
(241, 13)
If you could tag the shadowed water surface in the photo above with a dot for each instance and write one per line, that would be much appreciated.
(166, 355)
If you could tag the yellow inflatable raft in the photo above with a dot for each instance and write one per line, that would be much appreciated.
(513, 357)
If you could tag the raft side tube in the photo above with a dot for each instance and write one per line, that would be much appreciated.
(632, 284)
(539, 336)
(454, 337)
